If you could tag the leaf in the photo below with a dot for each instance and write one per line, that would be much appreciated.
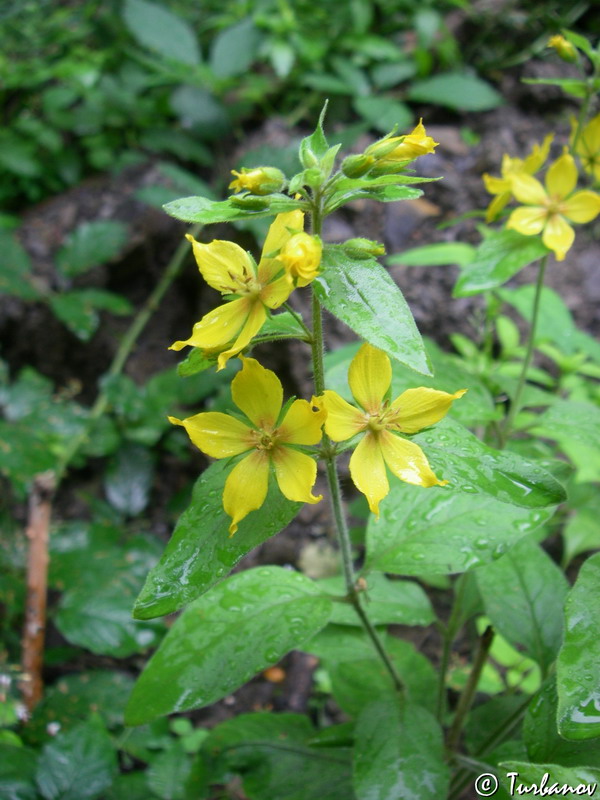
(314, 147)
(90, 244)
(530, 775)
(500, 256)
(572, 86)
(399, 753)
(78, 309)
(578, 680)
(472, 467)
(195, 362)
(159, 29)
(386, 602)
(435, 255)
(205, 211)
(523, 594)
(581, 533)
(15, 269)
(246, 623)
(576, 428)
(201, 552)
(383, 112)
(129, 478)
(443, 531)
(555, 322)
(17, 773)
(197, 106)
(456, 90)
(78, 764)
(168, 772)
(282, 325)
(234, 49)
(362, 295)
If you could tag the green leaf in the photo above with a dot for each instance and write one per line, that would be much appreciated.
(168, 772)
(578, 680)
(205, 211)
(338, 643)
(17, 773)
(78, 309)
(129, 478)
(246, 623)
(362, 295)
(78, 764)
(159, 29)
(383, 112)
(201, 552)
(196, 106)
(399, 753)
(555, 322)
(523, 594)
(456, 90)
(576, 428)
(15, 269)
(581, 533)
(441, 530)
(436, 255)
(500, 256)
(472, 467)
(314, 147)
(282, 325)
(531, 777)
(195, 362)
(234, 49)
(387, 602)
(572, 86)
(90, 244)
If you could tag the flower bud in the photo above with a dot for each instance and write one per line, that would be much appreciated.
(357, 166)
(249, 202)
(403, 148)
(260, 180)
(301, 256)
(363, 248)
(564, 49)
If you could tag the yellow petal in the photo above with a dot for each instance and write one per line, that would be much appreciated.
(278, 232)
(582, 207)
(302, 425)
(407, 461)
(558, 236)
(561, 177)
(276, 293)
(370, 376)
(495, 185)
(527, 189)
(219, 326)
(420, 408)
(296, 474)
(538, 155)
(367, 470)
(254, 321)
(527, 221)
(497, 205)
(258, 393)
(218, 435)
(223, 265)
(343, 420)
(246, 487)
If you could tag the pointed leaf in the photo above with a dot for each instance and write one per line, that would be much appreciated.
(205, 211)
(90, 244)
(234, 49)
(161, 30)
(456, 90)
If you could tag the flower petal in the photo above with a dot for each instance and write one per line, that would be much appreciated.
(296, 474)
(370, 376)
(497, 205)
(254, 322)
(367, 470)
(258, 393)
(246, 487)
(278, 232)
(420, 408)
(527, 190)
(216, 434)
(495, 185)
(219, 326)
(407, 461)
(558, 236)
(561, 177)
(528, 221)
(274, 294)
(222, 264)
(302, 425)
(582, 207)
(539, 153)
(343, 420)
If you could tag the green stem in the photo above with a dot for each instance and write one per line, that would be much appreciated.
(448, 638)
(515, 406)
(300, 321)
(124, 351)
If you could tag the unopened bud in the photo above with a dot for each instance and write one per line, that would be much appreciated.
(249, 202)
(260, 180)
(301, 256)
(564, 49)
(357, 166)
(363, 248)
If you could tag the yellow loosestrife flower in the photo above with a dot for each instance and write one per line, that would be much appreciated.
(403, 148)
(231, 270)
(261, 180)
(268, 442)
(563, 48)
(587, 146)
(501, 187)
(549, 210)
(370, 377)
(301, 256)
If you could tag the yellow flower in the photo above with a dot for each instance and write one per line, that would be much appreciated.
(262, 180)
(231, 270)
(370, 377)
(587, 146)
(547, 210)
(301, 256)
(269, 441)
(563, 48)
(501, 187)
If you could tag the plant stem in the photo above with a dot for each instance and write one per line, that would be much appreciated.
(448, 637)
(515, 406)
(299, 320)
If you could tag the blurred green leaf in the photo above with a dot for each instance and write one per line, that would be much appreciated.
(90, 244)
(168, 773)
(129, 478)
(15, 268)
(234, 49)
(435, 255)
(159, 29)
(456, 90)
(78, 309)
(17, 773)
(383, 112)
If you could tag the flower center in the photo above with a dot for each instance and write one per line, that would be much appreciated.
(381, 419)
(244, 284)
(264, 439)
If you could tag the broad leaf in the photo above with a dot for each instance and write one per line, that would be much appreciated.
(576, 428)
(523, 594)
(399, 753)
(205, 211)
(383, 113)
(78, 309)
(246, 623)
(159, 29)
(456, 90)
(90, 244)
(201, 551)
(362, 295)
(234, 49)
(443, 530)
(128, 479)
(578, 680)
(17, 773)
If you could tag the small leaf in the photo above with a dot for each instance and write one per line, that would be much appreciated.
(15, 269)
(572, 86)
(168, 772)
(362, 295)
(195, 362)
(459, 91)
(436, 255)
(383, 112)
(234, 49)
(201, 552)
(197, 106)
(90, 244)
(221, 640)
(578, 681)
(129, 478)
(282, 325)
(205, 211)
(555, 321)
(17, 773)
(523, 594)
(78, 309)
(159, 29)
(576, 428)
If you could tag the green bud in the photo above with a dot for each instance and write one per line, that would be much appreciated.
(363, 248)
(249, 202)
(357, 166)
